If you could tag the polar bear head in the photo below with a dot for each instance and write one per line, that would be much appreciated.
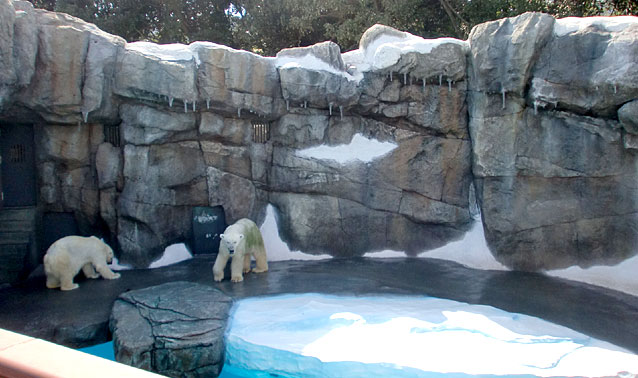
(109, 254)
(107, 251)
(231, 240)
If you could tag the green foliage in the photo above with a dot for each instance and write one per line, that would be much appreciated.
(267, 26)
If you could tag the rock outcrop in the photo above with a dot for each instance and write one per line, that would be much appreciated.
(539, 113)
(555, 170)
(174, 329)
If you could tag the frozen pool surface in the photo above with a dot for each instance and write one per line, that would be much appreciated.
(314, 335)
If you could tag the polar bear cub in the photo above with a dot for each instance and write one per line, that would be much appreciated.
(240, 241)
(68, 255)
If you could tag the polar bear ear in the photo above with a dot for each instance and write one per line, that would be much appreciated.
(222, 236)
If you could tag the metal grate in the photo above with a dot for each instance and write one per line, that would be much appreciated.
(112, 134)
(17, 153)
(261, 132)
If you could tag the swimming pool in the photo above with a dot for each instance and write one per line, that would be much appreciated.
(313, 335)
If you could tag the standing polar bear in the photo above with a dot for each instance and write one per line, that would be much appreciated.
(68, 255)
(240, 241)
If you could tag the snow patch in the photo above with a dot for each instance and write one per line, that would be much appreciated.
(172, 255)
(277, 249)
(360, 148)
(386, 50)
(319, 335)
(471, 251)
(568, 25)
(173, 52)
(620, 277)
(311, 62)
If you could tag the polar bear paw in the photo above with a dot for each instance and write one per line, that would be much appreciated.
(237, 278)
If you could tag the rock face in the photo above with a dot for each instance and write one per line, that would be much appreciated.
(130, 137)
(556, 176)
(174, 329)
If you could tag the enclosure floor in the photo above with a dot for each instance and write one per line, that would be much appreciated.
(80, 317)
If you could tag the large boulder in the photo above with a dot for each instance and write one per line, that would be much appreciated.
(557, 186)
(174, 329)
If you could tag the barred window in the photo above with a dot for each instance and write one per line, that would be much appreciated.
(261, 132)
(112, 134)
(17, 153)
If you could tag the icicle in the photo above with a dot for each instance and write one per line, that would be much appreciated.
(85, 116)
(440, 79)
(449, 85)
(535, 107)
(615, 88)
(185, 106)
(405, 78)
(287, 105)
(423, 85)
(340, 112)
(194, 102)
(305, 104)
(390, 75)
(239, 112)
(170, 102)
(330, 108)
(208, 103)
(503, 94)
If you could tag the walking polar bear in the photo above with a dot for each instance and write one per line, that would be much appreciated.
(68, 255)
(240, 241)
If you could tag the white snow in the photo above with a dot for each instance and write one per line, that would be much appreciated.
(172, 255)
(311, 62)
(360, 148)
(622, 277)
(386, 50)
(277, 249)
(172, 52)
(471, 251)
(564, 26)
(317, 335)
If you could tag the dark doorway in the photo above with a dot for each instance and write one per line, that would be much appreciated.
(18, 165)
(56, 226)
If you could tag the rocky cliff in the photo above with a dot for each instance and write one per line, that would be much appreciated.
(537, 112)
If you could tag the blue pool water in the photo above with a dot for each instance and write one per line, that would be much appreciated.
(101, 350)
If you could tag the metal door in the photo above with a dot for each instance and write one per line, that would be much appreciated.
(18, 165)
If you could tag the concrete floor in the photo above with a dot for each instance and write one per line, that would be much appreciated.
(79, 318)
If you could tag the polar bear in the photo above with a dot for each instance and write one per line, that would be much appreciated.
(240, 241)
(68, 255)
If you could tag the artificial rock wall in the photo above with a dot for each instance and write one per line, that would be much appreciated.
(552, 150)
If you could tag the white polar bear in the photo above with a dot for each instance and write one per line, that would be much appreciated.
(68, 255)
(240, 241)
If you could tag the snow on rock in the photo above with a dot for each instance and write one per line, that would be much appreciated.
(316, 335)
(172, 255)
(277, 249)
(311, 62)
(568, 25)
(360, 148)
(381, 47)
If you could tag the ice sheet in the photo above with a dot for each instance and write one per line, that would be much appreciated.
(317, 335)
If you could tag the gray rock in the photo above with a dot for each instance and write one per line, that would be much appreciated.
(503, 52)
(25, 41)
(628, 117)
(229, 130)
(174, 329)
(8, 76)
(343, 228)
(327, 52)
(299, 130)
(586, 71)
(317, 88)
(144, 125)
(108, 164)
(143, 75)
